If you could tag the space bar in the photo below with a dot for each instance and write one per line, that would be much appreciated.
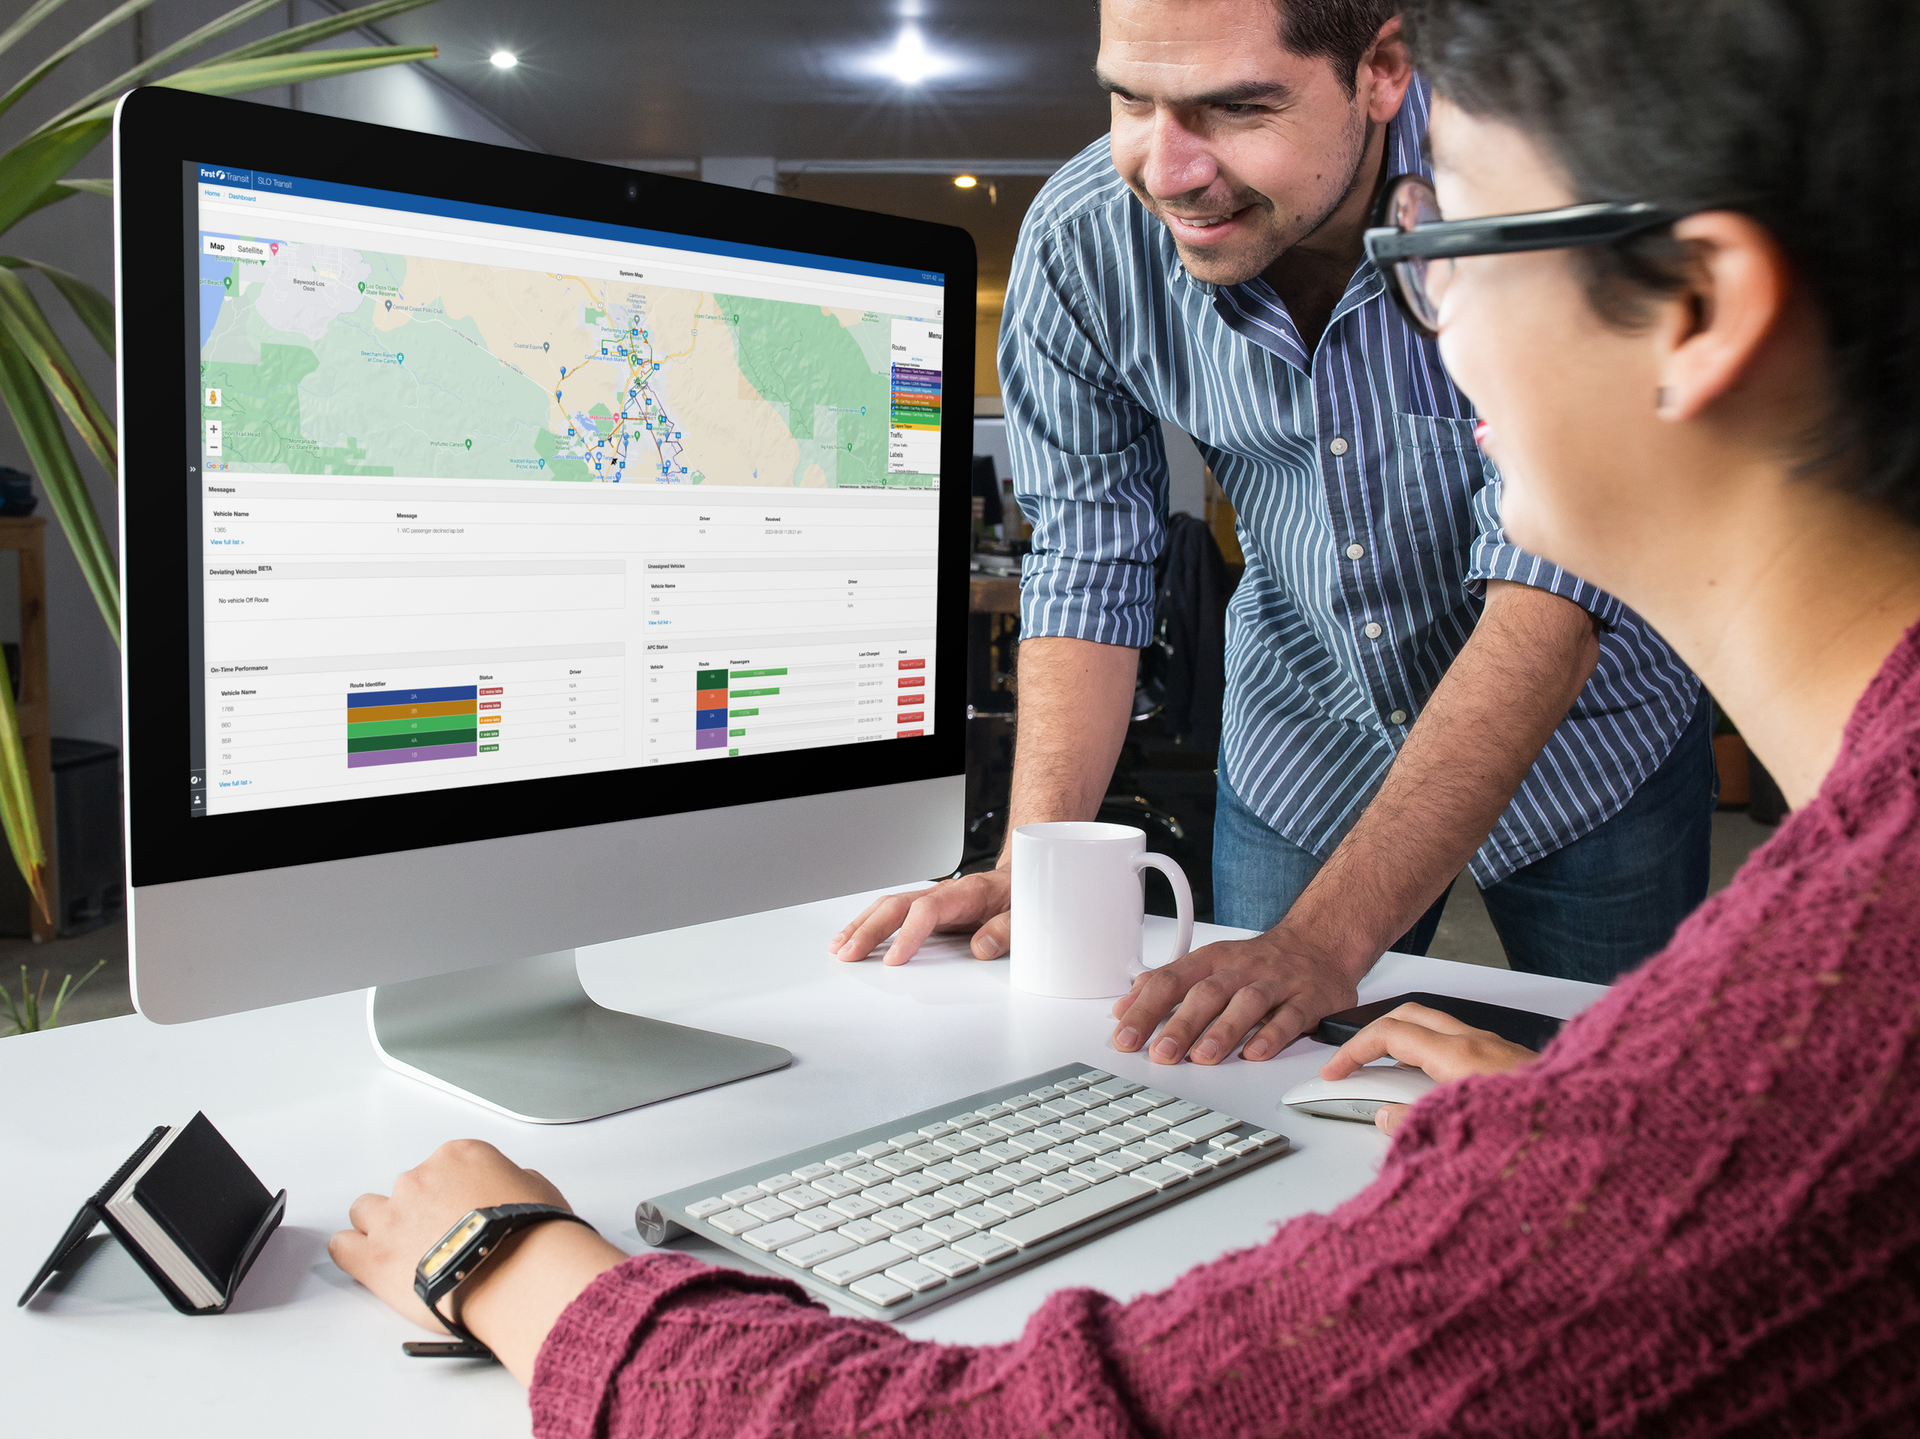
(1071, 1212)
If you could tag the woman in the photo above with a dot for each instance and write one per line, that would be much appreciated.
(1695, 1212)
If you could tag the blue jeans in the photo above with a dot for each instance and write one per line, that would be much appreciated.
(1590, 911)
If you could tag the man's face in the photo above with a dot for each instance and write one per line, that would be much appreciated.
(1239, 146)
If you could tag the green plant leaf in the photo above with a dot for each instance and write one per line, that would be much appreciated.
(38, 422)
(313, 33)
(63, 189)
(31, 17)
(85, 37)
(38, 162)
(94, 309)
(220, 77)
(23, 319)
(17, 812)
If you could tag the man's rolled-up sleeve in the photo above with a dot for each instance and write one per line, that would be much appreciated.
(1495, 557)
(1089, 465)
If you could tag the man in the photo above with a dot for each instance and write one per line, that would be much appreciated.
(1408, 694)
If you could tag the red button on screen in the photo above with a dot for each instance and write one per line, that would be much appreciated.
(913, 664)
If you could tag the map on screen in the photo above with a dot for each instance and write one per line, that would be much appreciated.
(321, 359)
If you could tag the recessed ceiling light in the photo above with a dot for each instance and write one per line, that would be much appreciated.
(911, 62)
(504, 59)
(965, 182)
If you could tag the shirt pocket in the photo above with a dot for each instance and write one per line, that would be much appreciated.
(1438, 470)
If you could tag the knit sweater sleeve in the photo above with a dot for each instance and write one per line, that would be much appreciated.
(1693, 1213)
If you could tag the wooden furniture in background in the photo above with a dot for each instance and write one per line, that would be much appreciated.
(26, 537)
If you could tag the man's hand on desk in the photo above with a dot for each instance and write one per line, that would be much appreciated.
(512, 1303)
(1223, 992)
(979, 902)
(1426, 1039)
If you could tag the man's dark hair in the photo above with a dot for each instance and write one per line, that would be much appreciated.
(1341, 30)
(1800, 113)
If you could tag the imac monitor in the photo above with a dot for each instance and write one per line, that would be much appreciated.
(519, 554)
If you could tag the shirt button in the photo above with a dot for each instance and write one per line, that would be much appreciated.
(1355, 551)
(1339, 445)
(1398, 716)
(1372, 632)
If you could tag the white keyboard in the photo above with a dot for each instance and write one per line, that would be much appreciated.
(917, 1211)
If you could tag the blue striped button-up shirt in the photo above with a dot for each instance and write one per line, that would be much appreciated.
(1369, 520)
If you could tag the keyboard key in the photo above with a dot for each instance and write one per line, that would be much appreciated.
(820, 1220)
(949, 1229)
(865, 1174)
(734, 1221)
(947, 1172)
(859, 1264)
(1247, 1146)
(1018, 1174)
(929, 1206)
(959, 1196)
(936, 1129)
(1047, 1163)
(778, 1183)
(987, 1185)
(992, 1111)
(963, 1121)
(1225, 1140)
(886, 1195)
(865, 1231)
(1066, 1182)
(984, 1248)
(1266, 1137)
(1082, 1123)
(1044, 1093)
(1094, 1076)
(878, 1289)
(1071, 1212)
(979, 1216)
(1106, 1114)
(1030, 1142)
(916, 1277)
(836, 1186)
(1156, 1097)
(916, 1241)
(1111, 1088)
(1185, 1163)
(960, 1142)
(905, 1141)
(839, 1162)
(1129, 1105)
(854, 1206)
(1038, 1194)
(928, 1153)
(803, 1196)
(1160, 1176)
(1180, 1111)
(1092, 1172)
(1119, 1134)
(1067, 1086)
(1055, 1134)
(1010, 1205)
(1118, 1162)
(1063, 1105)
(978, 1162)
(1003, 1153)
(877, 1148)
(1205, 1125)
(807, 1173)
(918, 1183)
(1218, 1157)
(984, 1133)
(816, 1249)
(744, 1193)
(707, 1208)
(945, 1261)
(1017, 1123)
(898, 1164)
(769, 1209)
(773, 1236)
(1167, 1142)
(1101, 1143)
(895, 1220)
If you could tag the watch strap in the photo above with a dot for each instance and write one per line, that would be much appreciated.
(499, 1222)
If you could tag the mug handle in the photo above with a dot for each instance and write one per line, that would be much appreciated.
(1182, 902)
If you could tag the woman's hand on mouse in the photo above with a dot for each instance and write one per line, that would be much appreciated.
(1429, 1040)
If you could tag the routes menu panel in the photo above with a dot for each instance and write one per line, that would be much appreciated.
(483, 502)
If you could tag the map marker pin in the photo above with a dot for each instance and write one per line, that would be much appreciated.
(273, 247)
(469, 444)
(389, 304)
(545, 345)
(363, 287)
(402, 359)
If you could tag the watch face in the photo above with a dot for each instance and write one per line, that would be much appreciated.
(448, 1249)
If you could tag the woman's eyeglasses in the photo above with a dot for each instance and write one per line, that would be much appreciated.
(1416, 249)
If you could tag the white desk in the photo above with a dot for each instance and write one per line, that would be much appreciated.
(300, 1094)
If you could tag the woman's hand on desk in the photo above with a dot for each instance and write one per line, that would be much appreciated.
(1426, 1039)
(982, 903)
(512, 1303)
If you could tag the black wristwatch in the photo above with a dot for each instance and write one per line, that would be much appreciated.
(462, 1250)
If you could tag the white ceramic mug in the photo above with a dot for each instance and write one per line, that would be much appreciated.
(1079, 900)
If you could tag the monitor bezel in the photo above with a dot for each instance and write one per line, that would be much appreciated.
(159, 131)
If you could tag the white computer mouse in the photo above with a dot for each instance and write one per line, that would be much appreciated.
(1360, 1094)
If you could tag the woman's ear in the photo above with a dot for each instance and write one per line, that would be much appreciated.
(1714, 329)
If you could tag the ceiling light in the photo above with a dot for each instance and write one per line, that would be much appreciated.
(965, 182)
(911, 62)
(504, 59)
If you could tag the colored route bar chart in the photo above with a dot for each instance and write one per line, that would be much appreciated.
(405, 726)
(785, 700)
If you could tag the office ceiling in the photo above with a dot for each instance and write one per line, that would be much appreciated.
(794, 79)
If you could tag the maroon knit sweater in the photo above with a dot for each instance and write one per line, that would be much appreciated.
(1698, 1213)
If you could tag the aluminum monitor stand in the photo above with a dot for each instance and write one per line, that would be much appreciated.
(524, 1039)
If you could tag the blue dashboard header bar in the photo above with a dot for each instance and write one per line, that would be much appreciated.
(261, 182)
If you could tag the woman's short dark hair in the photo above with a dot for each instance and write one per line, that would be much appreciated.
(1801, 113)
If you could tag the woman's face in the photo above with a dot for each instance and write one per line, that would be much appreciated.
(1568, 402)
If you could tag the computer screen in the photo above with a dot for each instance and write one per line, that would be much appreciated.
(492, 496)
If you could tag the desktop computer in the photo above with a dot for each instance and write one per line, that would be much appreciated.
(518, 554)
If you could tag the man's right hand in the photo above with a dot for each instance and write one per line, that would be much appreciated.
(980, 902)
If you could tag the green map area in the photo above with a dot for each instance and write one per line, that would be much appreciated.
(328, 360)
